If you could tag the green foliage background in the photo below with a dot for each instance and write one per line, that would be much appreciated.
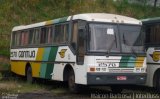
(21, 12)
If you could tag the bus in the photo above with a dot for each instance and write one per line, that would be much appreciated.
(83, 49)
(151, 27)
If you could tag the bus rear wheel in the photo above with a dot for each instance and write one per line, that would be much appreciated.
(29, 75)
(73, 87)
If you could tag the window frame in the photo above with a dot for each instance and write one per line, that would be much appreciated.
(118, 42)
(64, 40)
(148, 41)
(116, 37)
(52, 43)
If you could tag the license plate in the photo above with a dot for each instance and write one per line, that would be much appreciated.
(121, 78)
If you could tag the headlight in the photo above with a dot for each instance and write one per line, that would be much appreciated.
(142, 69)
(138, 70)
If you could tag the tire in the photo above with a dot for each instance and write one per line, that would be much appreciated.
(116, 89)
(29, 75)
(158, 82)
(73, 87)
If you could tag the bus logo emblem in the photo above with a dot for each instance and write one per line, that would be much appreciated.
(155, 56)
(62, 53)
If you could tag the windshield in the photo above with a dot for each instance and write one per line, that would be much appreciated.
(103, 38)
(131, 39)
(112, 37)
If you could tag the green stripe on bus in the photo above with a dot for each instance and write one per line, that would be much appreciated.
(127, 62)
(131, 62)
(43, 70)
(44, 65)
(49, 70)
(63, 19)
(46, 53)
(60, 20)
(123, 62)
(50, 67)
(53, 53)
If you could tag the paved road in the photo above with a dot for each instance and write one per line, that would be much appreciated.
(130, 92)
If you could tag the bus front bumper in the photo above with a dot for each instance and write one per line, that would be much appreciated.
(116, 78)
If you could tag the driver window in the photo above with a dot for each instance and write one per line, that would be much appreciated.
(81, 49)
(74, 35)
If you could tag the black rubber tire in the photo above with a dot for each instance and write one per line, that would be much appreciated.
(116, 89)
(73, 87)
(158, 82)
(29, 75)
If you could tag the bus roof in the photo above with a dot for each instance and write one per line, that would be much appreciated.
(93, 17)
(151, 20)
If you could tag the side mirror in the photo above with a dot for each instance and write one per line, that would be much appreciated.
(82, 33)
(82, 29)
(73, 45)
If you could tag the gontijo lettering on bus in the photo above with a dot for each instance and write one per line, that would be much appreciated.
(21, 54)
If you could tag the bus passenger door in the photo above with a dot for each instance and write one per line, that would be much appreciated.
(81, 42)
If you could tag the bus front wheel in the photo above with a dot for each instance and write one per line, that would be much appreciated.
(73, 87)
(158, 83)
(29, 75)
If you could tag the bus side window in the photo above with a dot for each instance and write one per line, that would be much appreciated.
(22, 38)
(18, 38)
(13, 38)
(43, 35)
(66, 32)
(62, 39)
(157, 33)
(152, 35)
(57, 37)
(31, 36)
(49, 35)
(61, 34)
(26, 38)
(37, 36)
(53, 34)
(147, 34)
(74, 36)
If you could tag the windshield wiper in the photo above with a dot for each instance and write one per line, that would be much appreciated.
(133, 51)
(110, 47)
